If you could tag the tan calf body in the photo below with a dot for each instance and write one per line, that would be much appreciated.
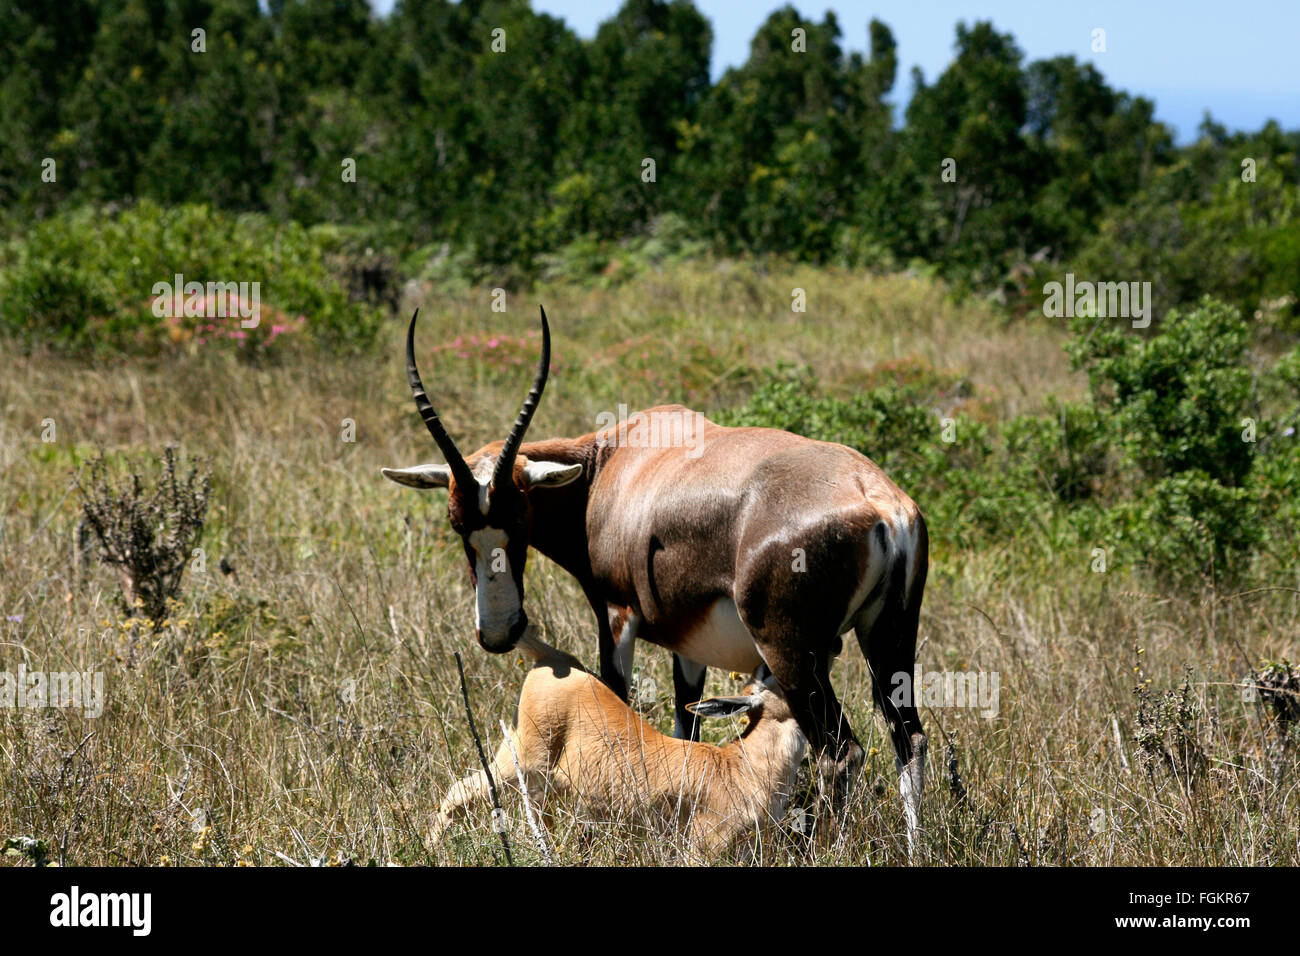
(575, 737)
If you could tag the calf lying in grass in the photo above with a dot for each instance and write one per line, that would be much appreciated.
(574, 735)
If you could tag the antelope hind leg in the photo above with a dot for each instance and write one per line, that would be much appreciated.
(911, 784)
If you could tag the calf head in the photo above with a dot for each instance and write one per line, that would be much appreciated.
(760, 699)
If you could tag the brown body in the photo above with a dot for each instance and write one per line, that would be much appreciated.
(575, 737)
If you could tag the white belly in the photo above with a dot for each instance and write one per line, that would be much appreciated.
(719, 639)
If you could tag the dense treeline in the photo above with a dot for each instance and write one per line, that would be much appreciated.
(509, 154)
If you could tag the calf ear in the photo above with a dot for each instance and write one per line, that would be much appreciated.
(550, 474)
(723, 706)
(420, 476)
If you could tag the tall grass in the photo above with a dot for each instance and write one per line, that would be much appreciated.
(306, 705)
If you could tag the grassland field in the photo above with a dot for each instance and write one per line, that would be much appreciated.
(307, 705)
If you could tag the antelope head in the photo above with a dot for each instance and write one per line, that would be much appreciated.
(489, 502)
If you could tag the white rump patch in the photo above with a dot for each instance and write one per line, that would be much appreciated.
(877, 565)
(902, 542)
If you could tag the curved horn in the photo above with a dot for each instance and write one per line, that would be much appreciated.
(460, 471)
(506, 463)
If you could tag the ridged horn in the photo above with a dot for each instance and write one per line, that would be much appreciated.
(459, 470)
(506, 463)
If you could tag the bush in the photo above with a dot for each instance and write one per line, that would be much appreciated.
(1188, 529)
(85, 278)
(1066, 452)
(1181, 409)
(1176, 399)
(1239, 242)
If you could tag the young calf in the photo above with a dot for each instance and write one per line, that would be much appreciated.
(574, 735)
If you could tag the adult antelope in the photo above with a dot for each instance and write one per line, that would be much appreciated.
(757, 547)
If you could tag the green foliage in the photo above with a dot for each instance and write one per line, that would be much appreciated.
(1198, 228)
(1176, 399)
(1192, 498)
(1066, 452)
(1189, 529)
(86, 278)
(771, 162)
(1183, 414)
(35, 851)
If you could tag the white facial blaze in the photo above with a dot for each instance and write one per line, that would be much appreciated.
(496, 604)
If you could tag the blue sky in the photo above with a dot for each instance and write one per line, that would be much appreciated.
(1238, 60)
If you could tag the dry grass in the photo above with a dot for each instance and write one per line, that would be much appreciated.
(308, 706)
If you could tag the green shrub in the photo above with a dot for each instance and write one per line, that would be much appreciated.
(85, 278)
(665, 240)
(1183, 413)
(1176, 399)
(1189, 529)
(1066, 452)
(54, 294)
(1276, 476)
(1239, 242)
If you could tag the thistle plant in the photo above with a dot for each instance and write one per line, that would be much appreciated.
(146, 534)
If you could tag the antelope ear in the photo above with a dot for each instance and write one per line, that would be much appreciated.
(550, 474)
(420, 476)
(723, 706)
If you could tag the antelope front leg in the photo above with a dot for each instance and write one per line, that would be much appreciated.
(688, 688)
(472, 788)
(610, 664)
